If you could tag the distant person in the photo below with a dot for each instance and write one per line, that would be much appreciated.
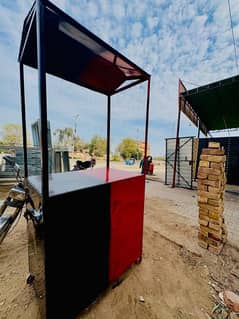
(141, 165)
(149, 162)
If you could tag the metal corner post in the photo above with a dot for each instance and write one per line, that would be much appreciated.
(41, 61)
(177, 136)
(24, 130)
(108, 136)
(146, 127)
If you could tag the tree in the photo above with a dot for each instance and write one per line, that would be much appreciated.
(64, 137)
(128, 148)
(12, 134)
(97, 145)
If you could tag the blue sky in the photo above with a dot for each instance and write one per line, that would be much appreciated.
(175, 39)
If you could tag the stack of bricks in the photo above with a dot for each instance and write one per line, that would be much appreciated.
(211, 182)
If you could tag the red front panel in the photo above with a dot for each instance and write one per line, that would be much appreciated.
(127, 212)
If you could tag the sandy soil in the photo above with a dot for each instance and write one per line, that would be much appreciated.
(175, 280)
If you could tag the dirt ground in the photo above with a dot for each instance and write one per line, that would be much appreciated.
(176, 278)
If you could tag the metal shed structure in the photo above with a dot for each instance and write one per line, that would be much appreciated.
(209, 107)
(85, 250)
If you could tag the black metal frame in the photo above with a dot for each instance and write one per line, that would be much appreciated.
(176, 169)
(41, 59)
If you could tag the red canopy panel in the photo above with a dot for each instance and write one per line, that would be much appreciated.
(75, 54)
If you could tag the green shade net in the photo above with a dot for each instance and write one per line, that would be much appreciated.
(216, 104)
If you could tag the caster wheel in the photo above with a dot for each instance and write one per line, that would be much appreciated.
(138, 260)
(30, 279)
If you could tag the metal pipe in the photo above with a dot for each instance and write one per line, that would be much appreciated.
(146, 127)
(24, 130)
(41, 61)
(108, 136)
(177, 136)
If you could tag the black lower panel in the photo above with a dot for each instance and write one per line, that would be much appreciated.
(77, 228)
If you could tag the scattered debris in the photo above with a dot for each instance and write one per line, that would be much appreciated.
(232, 300)
(141, 299)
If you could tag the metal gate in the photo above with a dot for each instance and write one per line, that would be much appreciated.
(185, 164)
(231, 146)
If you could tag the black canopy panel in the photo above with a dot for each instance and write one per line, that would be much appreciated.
(216, 104)
(75, 54)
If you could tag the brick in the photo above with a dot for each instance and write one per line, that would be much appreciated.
(208, 182)
(202, 199)
(214, 242)
(217, 166)
(217, 221)
(202, 187)
(214, 145)
(216, 233)
(203, 222)
(215, 190)
(202, 236)
(201, 176)
(208, 170)
(208, 151)
(214, 216)
(214, 226)
(203, 244)
(207, 231)
(213, 209)
(203, 230)
(215, 250)
(215, 178)
(203, 212)
(215, 202)
(204, 217)
(204, 164)
(213, 158)
(208, 195)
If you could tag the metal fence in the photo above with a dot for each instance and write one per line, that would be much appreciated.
(58, 160)
(188, 157)
(185, 164)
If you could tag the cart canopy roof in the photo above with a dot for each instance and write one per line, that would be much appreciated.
(216, 104)
(75, 54)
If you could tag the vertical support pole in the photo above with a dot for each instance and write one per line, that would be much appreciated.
(108, 136)
(198, 128)
(166, 161)
(177, 137)
(192, 162)
(146, 127)
(24, 129)
(40, 24)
